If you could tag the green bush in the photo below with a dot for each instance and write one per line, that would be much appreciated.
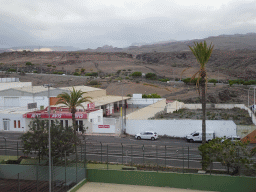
(213, 81)
(54, 66)
(76, 74)
(82, 70)
(49, 65)
(55, 72)
(164, 80)
(94, 82)
(136, 74)
(190, 81)
(153, 95)
(11, 70)
(60, 72)
(29, 63)
(35, 71)
(151, 76)
(129, 69)
(92, 74)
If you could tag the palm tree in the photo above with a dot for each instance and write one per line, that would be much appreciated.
(202, 54)
(72, 101)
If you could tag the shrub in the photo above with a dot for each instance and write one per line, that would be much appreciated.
(49, 65)
(136, 74)
(60, 72)
(82, 70)
(29, 63)
(91, 74)
(55, 72)
(129, 95)
(11, 70)
(124, 69)
(164, 80)
(151, 76)
(54, 66)
(76, 74)
(213, 81)
(153, 95)
(35, 71)
(129, 69)
(126, 77)
(94, 82)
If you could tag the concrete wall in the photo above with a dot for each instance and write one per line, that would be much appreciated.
(244, 130)
(12, 118)
(96, 117)
(148, 111)
(176, 105)
(142, 102)
(4, 85)
(94, 94)
(174, 180)
(23, 101)
(180, 128)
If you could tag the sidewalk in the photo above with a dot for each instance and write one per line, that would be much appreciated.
(107, 187)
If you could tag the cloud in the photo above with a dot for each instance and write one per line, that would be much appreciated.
(92, 23)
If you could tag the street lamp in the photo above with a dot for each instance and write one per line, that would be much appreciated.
(49, 128)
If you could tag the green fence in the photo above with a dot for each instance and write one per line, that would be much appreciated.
(175, 180)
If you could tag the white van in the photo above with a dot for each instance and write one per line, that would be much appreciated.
(197, 136)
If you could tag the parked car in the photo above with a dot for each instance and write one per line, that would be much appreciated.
(147, 135)
(233, 139)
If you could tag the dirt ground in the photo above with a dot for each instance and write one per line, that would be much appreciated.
(220, 93)
(106, 187)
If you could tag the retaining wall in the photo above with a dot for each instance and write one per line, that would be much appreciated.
(176, 180)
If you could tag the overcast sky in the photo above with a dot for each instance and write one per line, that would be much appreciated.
(94, 23)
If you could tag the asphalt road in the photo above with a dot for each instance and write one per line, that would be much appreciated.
(162, 152)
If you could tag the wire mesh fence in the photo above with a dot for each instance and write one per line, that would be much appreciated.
(69, 168)
(66, 171)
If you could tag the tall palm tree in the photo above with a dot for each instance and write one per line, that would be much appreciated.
(202, 53)
(72, 101)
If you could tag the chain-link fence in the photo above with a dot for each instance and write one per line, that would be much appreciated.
(70, 168)
(33, 175)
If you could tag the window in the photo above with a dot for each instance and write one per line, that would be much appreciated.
(196, 134)
(91, 120)
(6, 124)
(66, 123)
(98, 118)
(80, 125)
(61, 123)
(18, 123)
(14, 123)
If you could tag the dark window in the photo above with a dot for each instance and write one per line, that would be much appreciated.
(61, 123)
(66, 123)
(80, 125)
(14, 123)
(196, 134)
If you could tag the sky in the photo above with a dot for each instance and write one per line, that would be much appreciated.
(120, 23)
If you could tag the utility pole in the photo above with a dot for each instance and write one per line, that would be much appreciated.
(49, 129)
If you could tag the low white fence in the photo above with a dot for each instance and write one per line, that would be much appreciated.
(180, 128)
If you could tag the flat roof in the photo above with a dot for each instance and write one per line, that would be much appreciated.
(16, 110)
(38, 89)
(99, 101)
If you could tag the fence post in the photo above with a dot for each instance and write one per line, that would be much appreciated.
(18, 182)
(65, 171)
(188, 157)
(85, 159)
(156, 160)
(165, 155)
(81, 152)
(37, 177)
(17, 149)
(107, 157)
(122, 154)
(143, 153)
(100, 152)
(183, 158)
(131, 154)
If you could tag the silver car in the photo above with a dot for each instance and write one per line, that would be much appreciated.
(147, 135)
(233, 139)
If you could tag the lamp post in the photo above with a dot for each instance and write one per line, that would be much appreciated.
(49, 129)
(122, 111)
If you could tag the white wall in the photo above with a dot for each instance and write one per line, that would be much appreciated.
(96, 129)
(13, 117)
(4, 86)
(180, 128)
(143, 101)
(93, 117)
(23, 101)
